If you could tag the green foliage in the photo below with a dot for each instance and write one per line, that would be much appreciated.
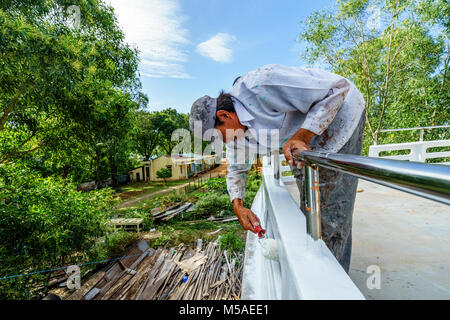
(400, 63)
(214, 203)
(217, 184)
(46, 223)
(217, 200)
(69, 101)
(253, 184)
(169, 199)
(116, 243)
(164, 173)
(147, 135)
(162, 240)
(153, 131)
(168, 121)
(66, 94)
(231, 241)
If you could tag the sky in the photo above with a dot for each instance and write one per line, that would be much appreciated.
(192, 48)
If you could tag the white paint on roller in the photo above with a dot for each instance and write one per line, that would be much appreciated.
(269, 248)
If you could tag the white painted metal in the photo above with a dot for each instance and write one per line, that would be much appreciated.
(421, 133)
(284, 167)
(306, 268)
(418, 150)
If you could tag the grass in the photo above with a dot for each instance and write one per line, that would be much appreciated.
(142, 188)
(183, 232)
(190, 226)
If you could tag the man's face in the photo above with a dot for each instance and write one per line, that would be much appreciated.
(231, 128)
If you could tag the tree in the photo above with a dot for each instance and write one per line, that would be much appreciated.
(67, 97)
(147, 133)
(45, 223)
(168, 121)
(164, 173)
(395, 51)
(61, 85)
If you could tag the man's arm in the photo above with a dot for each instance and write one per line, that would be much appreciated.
(296, 144)
(317, 120)
(236, 182)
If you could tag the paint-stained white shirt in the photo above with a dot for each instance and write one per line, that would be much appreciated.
(279, 100)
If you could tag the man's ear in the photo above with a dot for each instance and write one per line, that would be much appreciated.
(222, 115)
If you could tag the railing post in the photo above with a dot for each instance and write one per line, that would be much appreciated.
(312, 202)
(276, 165)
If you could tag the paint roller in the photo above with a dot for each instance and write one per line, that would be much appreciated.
(269, 246)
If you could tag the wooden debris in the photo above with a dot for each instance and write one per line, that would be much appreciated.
(169, 214)
(214, 232)
(161, 210)
(161, 275)
(87, 286)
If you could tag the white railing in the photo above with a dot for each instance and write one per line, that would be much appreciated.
(418, 151)
(306, 268)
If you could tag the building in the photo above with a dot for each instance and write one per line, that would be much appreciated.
(182, 166)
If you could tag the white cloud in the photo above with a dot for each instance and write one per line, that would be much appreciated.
(162, 69)
(217, 48)
(155, 28)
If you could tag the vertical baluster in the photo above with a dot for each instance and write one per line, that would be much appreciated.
(312, 199)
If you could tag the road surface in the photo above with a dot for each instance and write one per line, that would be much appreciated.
(406, 237)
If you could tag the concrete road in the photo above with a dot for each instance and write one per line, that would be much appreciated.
(405, 237)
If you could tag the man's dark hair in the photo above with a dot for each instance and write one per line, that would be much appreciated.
(224, 102)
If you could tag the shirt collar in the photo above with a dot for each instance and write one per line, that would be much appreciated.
(242, 113)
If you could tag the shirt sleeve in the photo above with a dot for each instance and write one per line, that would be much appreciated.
(323, 112)
(237, 171)
(278, 89)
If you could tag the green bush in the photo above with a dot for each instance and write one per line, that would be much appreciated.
(217, 184)
(164, 173)
(45, 223)
(231, 241)
(116, 243)
(214, 203)
(217, 201)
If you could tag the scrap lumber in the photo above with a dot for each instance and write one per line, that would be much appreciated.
(212, 273)
(156, 212)
(87, 286)
(167, 215)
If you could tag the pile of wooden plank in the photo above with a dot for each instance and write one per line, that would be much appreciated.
(167, 274)
(168, 214)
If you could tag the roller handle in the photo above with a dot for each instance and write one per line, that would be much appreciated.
(261, 231)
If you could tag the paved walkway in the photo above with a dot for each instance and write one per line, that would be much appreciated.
(407, 237)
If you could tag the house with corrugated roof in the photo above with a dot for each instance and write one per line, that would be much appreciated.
(182, 166)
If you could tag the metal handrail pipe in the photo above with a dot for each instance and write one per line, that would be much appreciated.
(430, 181)
(312, 205)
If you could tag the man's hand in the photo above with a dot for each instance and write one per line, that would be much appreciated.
(296, 144)
(248, 220)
